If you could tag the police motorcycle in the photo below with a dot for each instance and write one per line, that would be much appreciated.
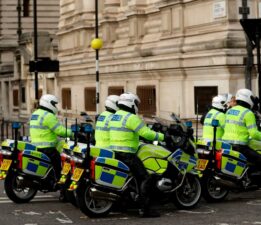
(225, 170)
(101, 181)
(26, 170)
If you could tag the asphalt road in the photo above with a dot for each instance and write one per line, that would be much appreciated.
(45, 209)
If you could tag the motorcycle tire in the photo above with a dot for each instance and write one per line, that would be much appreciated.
(15, 193)
(211, 191)
(93, 208)
(188, 195)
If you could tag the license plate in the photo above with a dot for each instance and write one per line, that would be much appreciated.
(6, 164)
(202, 164)
(77, 173)
(66, 168)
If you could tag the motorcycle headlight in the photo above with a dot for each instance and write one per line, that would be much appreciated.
(5, 152)
(76, 159)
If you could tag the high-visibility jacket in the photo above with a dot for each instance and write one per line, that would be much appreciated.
(102, 136)
(240, 126)
(208, 129)
(45, 128)
(125, 129)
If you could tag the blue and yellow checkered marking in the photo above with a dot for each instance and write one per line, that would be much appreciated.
(111, 172)
(21, 145)
(36, 154)
(32, 163)
(233, 163)
(182, 160)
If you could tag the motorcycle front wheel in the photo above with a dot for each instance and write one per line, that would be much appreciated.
(15, 192)
(188, 195)
(211, 191)
(91, 207)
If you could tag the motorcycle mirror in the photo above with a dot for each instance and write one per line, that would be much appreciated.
(175, 117)
(86, 117)
(16, 125)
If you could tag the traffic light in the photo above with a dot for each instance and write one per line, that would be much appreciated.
(45, 65)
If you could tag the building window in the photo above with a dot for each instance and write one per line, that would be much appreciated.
(147, 95)
(66, 98)
(26, 8)
(23, 95)
(40, 93)
(203, 98)
(115, 90)
(90, 99)
(15, 98)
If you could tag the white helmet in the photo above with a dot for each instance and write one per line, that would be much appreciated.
(219, 102)
(49, 102)
(245, 95)
(228, 96)
(129, 100)
(111, 102)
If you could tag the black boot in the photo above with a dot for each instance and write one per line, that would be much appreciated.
(147, 210)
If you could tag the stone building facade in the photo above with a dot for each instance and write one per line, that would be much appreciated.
(175, 54)
(17, 49)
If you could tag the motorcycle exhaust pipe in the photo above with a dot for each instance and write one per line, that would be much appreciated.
(226, 183)
(97, 194)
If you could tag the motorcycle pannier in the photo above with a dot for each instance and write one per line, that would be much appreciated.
(233, 163)
(110, 172)
(35, 163)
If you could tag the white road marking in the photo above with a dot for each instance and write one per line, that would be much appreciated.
(65, 218)
(31, 213)
(60, 216)
(208, 211)
(254, 202)
(248, 222)
(44, 198)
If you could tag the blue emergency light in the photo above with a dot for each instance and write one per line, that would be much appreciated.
(214, 123)
(16, 125)
(75, 128)
(88, 128)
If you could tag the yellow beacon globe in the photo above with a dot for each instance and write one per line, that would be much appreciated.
(96, 43)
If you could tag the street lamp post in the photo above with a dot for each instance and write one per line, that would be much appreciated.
(244, 11)
(35, 53)
(96, 44)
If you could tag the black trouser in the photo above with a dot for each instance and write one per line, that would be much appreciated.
(251, 155)
(55, 158)
(144, 180)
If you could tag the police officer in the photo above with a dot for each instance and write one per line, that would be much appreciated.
(217, 112)
(45, 129)
(102, 137)
(231, 101)
(125, 129)
(240, 126)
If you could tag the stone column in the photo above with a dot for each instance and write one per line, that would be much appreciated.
(111, 9)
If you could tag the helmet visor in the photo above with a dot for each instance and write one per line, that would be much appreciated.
(136, 102)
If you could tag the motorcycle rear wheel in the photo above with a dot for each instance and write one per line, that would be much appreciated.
(93, 208)
(211, 191)
(14, 192)
(189, 194)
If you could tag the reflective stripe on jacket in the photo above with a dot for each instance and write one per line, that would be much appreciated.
(44, 129)
(102, 136)
(240, 125)
(208, 129)
(125, 129)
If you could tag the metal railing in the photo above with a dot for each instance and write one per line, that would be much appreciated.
(6, 130)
